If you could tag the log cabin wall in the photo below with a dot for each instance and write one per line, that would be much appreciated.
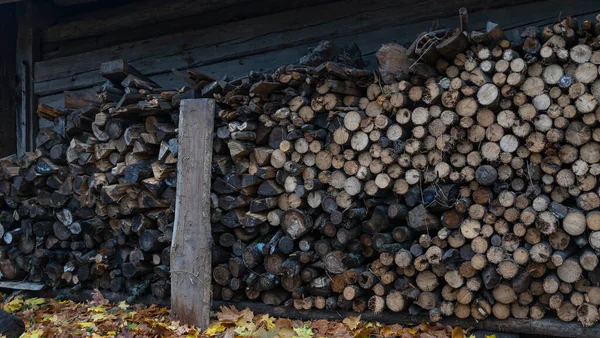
(235, 36)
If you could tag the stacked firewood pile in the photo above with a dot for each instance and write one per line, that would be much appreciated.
(459, 180)
(93, 205)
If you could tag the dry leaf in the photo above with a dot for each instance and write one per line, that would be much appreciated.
(458, 332)
(228, 314)
(352, 322)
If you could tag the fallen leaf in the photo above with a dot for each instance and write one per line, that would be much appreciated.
(14, 305)
(214, 328)
(283, 323)
(228, 314)
(352, 322)
(458, 332)
(268, 321)
(490, 336)
(33, 334)
(98, 298)
(35, 301)
(123, 305)
(303, 332)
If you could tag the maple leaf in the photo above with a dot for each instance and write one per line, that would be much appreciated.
(321, 326)
(14, 305)
(33, 334)
(283, 323)
(97, 309)
(458, 332)
(410, 331)
(267, 320)
(35, 301)
(85, 324)
(247, 330)
(98, 298)
(389, 331)
(352, 322)
(303, 332)
(123, 305)
(228, 314)
(214, 328)
(246, 317)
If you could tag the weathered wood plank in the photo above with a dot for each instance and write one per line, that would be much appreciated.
(218, 62)
(131, 15)
(27, 55)
(544, 327)
(190, 251)
(223, 42)
(189, 22)
(8, 24)
(28, 286)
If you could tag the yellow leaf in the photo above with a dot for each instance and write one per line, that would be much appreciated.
(14, 305)
(214, 328)
(387, 331)
(352, 322)
(247, 330)
(490, 336)
(111, 333)
(303, 332)
(97, 309)
(35, 301)
(123, 305)
(98, 317)
(458, 332)
(85, 324)
(268, 320)
(33, 334)
(410, 331)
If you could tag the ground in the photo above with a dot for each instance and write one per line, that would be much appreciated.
(100, 318)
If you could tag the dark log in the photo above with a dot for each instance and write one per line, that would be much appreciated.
(10, 325)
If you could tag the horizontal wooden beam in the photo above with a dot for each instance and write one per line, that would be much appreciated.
(130, 15)
(74, 2)
(543, 327)
(84, 295)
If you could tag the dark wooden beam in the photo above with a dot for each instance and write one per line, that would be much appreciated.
(544, 327)
(8, 41)
(139, 27)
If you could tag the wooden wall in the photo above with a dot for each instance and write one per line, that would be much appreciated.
(235, 36)
(8, 41)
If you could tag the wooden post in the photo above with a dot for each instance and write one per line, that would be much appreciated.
(191, 247)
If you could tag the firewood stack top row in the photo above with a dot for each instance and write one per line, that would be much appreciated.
(460, 178)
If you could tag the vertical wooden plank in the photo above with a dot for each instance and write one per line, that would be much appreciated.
(8, 27)
(27, 54)
(191, 248)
